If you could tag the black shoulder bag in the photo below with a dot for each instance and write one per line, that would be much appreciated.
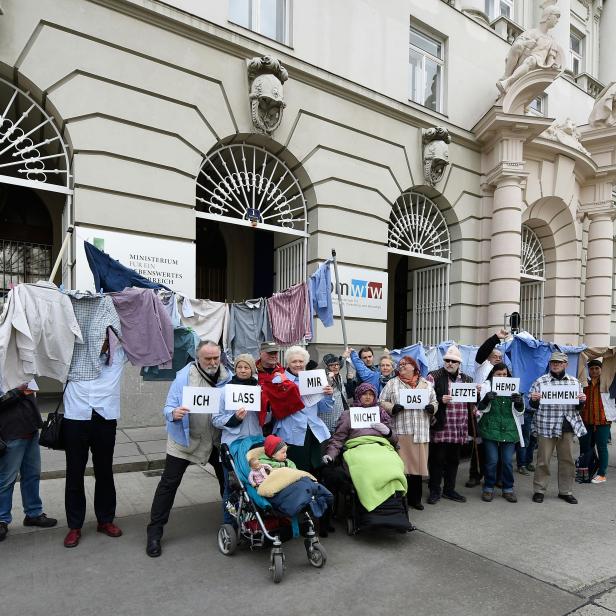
(51, 432)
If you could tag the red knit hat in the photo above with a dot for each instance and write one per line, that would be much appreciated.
(272, 444)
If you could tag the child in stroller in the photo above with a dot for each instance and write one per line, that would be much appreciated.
(256, 522)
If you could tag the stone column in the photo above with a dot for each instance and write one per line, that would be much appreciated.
(598, 304)
(505, 249)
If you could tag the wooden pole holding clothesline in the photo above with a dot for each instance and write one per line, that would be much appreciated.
(341, 307)
(56, 265)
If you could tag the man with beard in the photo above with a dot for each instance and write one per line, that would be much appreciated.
(449, 430)
(190, 439)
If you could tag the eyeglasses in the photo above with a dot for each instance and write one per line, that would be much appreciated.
(451, 361)
(404, 363)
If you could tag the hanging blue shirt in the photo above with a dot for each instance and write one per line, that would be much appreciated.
(320, 287)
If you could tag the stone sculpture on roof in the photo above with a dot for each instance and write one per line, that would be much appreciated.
(603, 113)
(566, 133)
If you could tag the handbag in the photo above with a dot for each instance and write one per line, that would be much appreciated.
(51, 432)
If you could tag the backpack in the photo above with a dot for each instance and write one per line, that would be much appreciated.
(586, 466)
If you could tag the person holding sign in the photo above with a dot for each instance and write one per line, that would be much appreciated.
(303, 430)
(237, 423)
(449, 430)
(365, 397)
(556, 420)
(411, 401)
(190, 436)
(595, 421)
(500, 430)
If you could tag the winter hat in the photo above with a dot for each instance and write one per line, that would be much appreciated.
(595, 362)
(329, 358)
(453, 353)
(361, 389)
(248, 359)
(272, 444)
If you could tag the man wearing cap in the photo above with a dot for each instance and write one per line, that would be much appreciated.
(332, 363)
(597, 426)
(450, 430)
(555, 425)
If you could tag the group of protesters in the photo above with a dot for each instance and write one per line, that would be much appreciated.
(429, 440)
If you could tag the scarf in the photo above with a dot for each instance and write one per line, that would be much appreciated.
(412, 382)
(383, 379)
(249, 381)
(211, 379)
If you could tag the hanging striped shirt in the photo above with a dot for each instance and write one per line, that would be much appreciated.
(290, 315)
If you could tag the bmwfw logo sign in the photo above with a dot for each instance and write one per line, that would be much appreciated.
(363, 292)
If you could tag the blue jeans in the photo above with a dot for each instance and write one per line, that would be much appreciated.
(22, 456)
(491, 451)
(524, 455)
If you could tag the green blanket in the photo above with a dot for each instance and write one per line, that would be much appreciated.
(376, 469)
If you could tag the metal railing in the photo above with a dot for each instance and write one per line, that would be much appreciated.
(22, 262)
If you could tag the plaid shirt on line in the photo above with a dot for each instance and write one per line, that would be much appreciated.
(548, 418)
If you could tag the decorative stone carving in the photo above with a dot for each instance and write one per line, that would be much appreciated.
(566, 133)
(534, 49)
(266, 76)
(604, 112)
(435, 143)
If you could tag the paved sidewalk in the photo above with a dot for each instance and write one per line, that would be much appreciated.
(137, 449)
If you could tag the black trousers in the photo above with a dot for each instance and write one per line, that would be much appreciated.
(80, 437)
(168, 487)
(443, 460)
(413, 494)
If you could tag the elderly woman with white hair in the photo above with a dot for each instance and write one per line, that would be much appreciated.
(303, 430)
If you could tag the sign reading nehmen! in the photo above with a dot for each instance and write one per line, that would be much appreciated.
(414, 398)
(505, 386)
(201, 399)
(242, 397)
(364, 417)
(312, 382)
(463, 392)
(559, 394)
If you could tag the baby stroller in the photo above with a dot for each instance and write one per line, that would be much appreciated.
(256, 522)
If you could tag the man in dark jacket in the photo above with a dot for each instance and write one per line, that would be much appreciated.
(20, 420)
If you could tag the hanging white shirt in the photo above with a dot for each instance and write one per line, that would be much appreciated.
(101, 394)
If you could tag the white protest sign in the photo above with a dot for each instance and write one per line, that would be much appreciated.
(505, 386)
(559, 394)
(201, 399)
(463, 392)
(242, 397)
(609, 406)
(312, 382)
(364, 417)
(414, 398)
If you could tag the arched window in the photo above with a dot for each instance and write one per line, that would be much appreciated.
(418, 231)
(532, 281)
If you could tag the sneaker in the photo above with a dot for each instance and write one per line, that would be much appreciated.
(531, 467)
(599, 479)
(523, 470)
(4, 529)
(72, 538)
(42, 521)
(487, 496)
(510, 497)
(110, 529)
(454, 496)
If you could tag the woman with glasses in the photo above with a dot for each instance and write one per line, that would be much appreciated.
(411, 425)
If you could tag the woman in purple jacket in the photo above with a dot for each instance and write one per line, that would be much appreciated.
(365, 396)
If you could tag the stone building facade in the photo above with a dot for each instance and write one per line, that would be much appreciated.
(227, 147)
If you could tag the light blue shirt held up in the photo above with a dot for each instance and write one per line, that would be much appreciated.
(292, 429)
(101, 394)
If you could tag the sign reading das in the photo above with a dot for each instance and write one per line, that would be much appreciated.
(504, 386)
(242, 397)
(312, 382)
(201, 399)
(364, 417)
(414, 398)
(463, 392)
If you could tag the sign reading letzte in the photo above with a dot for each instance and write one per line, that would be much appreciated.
(463, 392)
(312, 382)
(364, 417)
(414, 398)
(555, 394)
(201, 399)
(242, 397)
